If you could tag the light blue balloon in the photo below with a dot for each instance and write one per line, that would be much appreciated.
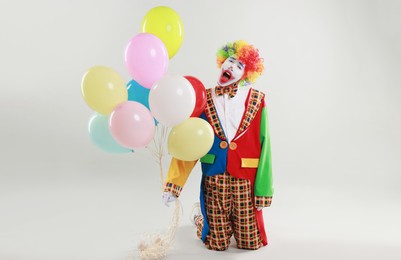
(100, 135)
(138, 93)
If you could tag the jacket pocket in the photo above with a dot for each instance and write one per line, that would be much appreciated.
(249, 162)
(208, 158)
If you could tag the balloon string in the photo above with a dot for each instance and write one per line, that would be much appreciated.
(157, 150)
(161, 152)
(156, 246)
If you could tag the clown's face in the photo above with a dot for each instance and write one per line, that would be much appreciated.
(232, 71)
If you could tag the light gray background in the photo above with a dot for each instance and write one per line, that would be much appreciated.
(333, 83)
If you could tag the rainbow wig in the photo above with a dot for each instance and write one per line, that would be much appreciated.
(245, 53)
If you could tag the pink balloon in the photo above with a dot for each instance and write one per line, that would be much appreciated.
(132, 125)
(146, 59)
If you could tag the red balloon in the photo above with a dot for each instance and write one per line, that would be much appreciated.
(200, 93)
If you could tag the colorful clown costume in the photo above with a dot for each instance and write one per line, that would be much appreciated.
(236, 172)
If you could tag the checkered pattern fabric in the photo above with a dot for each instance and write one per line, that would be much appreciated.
(173, 188)
(212, 117)
(263, 201)
(231, 90)
(230, 210)
(255, 100)
(199, 226)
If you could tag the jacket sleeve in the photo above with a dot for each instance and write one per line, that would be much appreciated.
(264, 178)
(177, 175)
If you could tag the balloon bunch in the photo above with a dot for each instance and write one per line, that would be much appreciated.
(128, 114)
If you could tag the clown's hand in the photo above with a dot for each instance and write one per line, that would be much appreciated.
(259, 208)
(167, 198)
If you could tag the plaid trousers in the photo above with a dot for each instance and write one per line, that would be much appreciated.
(230, 210)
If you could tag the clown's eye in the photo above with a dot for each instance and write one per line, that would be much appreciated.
(231, 61)
(239, 67)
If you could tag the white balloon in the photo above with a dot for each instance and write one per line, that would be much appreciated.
(172, 100)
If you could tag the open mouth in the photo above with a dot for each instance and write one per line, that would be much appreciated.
(225, 76)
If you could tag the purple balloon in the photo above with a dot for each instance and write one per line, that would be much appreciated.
(146, 59)
(132, 125)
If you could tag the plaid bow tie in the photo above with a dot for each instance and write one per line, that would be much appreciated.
(231, 90)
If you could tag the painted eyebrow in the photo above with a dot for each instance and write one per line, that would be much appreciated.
(240, 63)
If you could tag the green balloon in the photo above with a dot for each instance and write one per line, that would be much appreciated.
(100, 135)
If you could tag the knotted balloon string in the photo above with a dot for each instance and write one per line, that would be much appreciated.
(156, 246)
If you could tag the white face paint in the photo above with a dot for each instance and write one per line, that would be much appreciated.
(232, 71)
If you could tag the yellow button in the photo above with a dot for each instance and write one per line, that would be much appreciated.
(233, 146)
(223, 145)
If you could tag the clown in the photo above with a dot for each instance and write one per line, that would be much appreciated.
(236, 172)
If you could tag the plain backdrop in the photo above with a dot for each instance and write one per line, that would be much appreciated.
(333, 85)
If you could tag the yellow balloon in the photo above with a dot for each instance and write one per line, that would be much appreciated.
(103, 89)
(166, 24)
(191, 139)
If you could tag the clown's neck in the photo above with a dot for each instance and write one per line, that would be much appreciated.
(235, 84)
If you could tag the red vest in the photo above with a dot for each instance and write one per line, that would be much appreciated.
(244, 151)
(241, 156)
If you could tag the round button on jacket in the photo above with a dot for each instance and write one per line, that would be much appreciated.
(233, 146)
(223, 145)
